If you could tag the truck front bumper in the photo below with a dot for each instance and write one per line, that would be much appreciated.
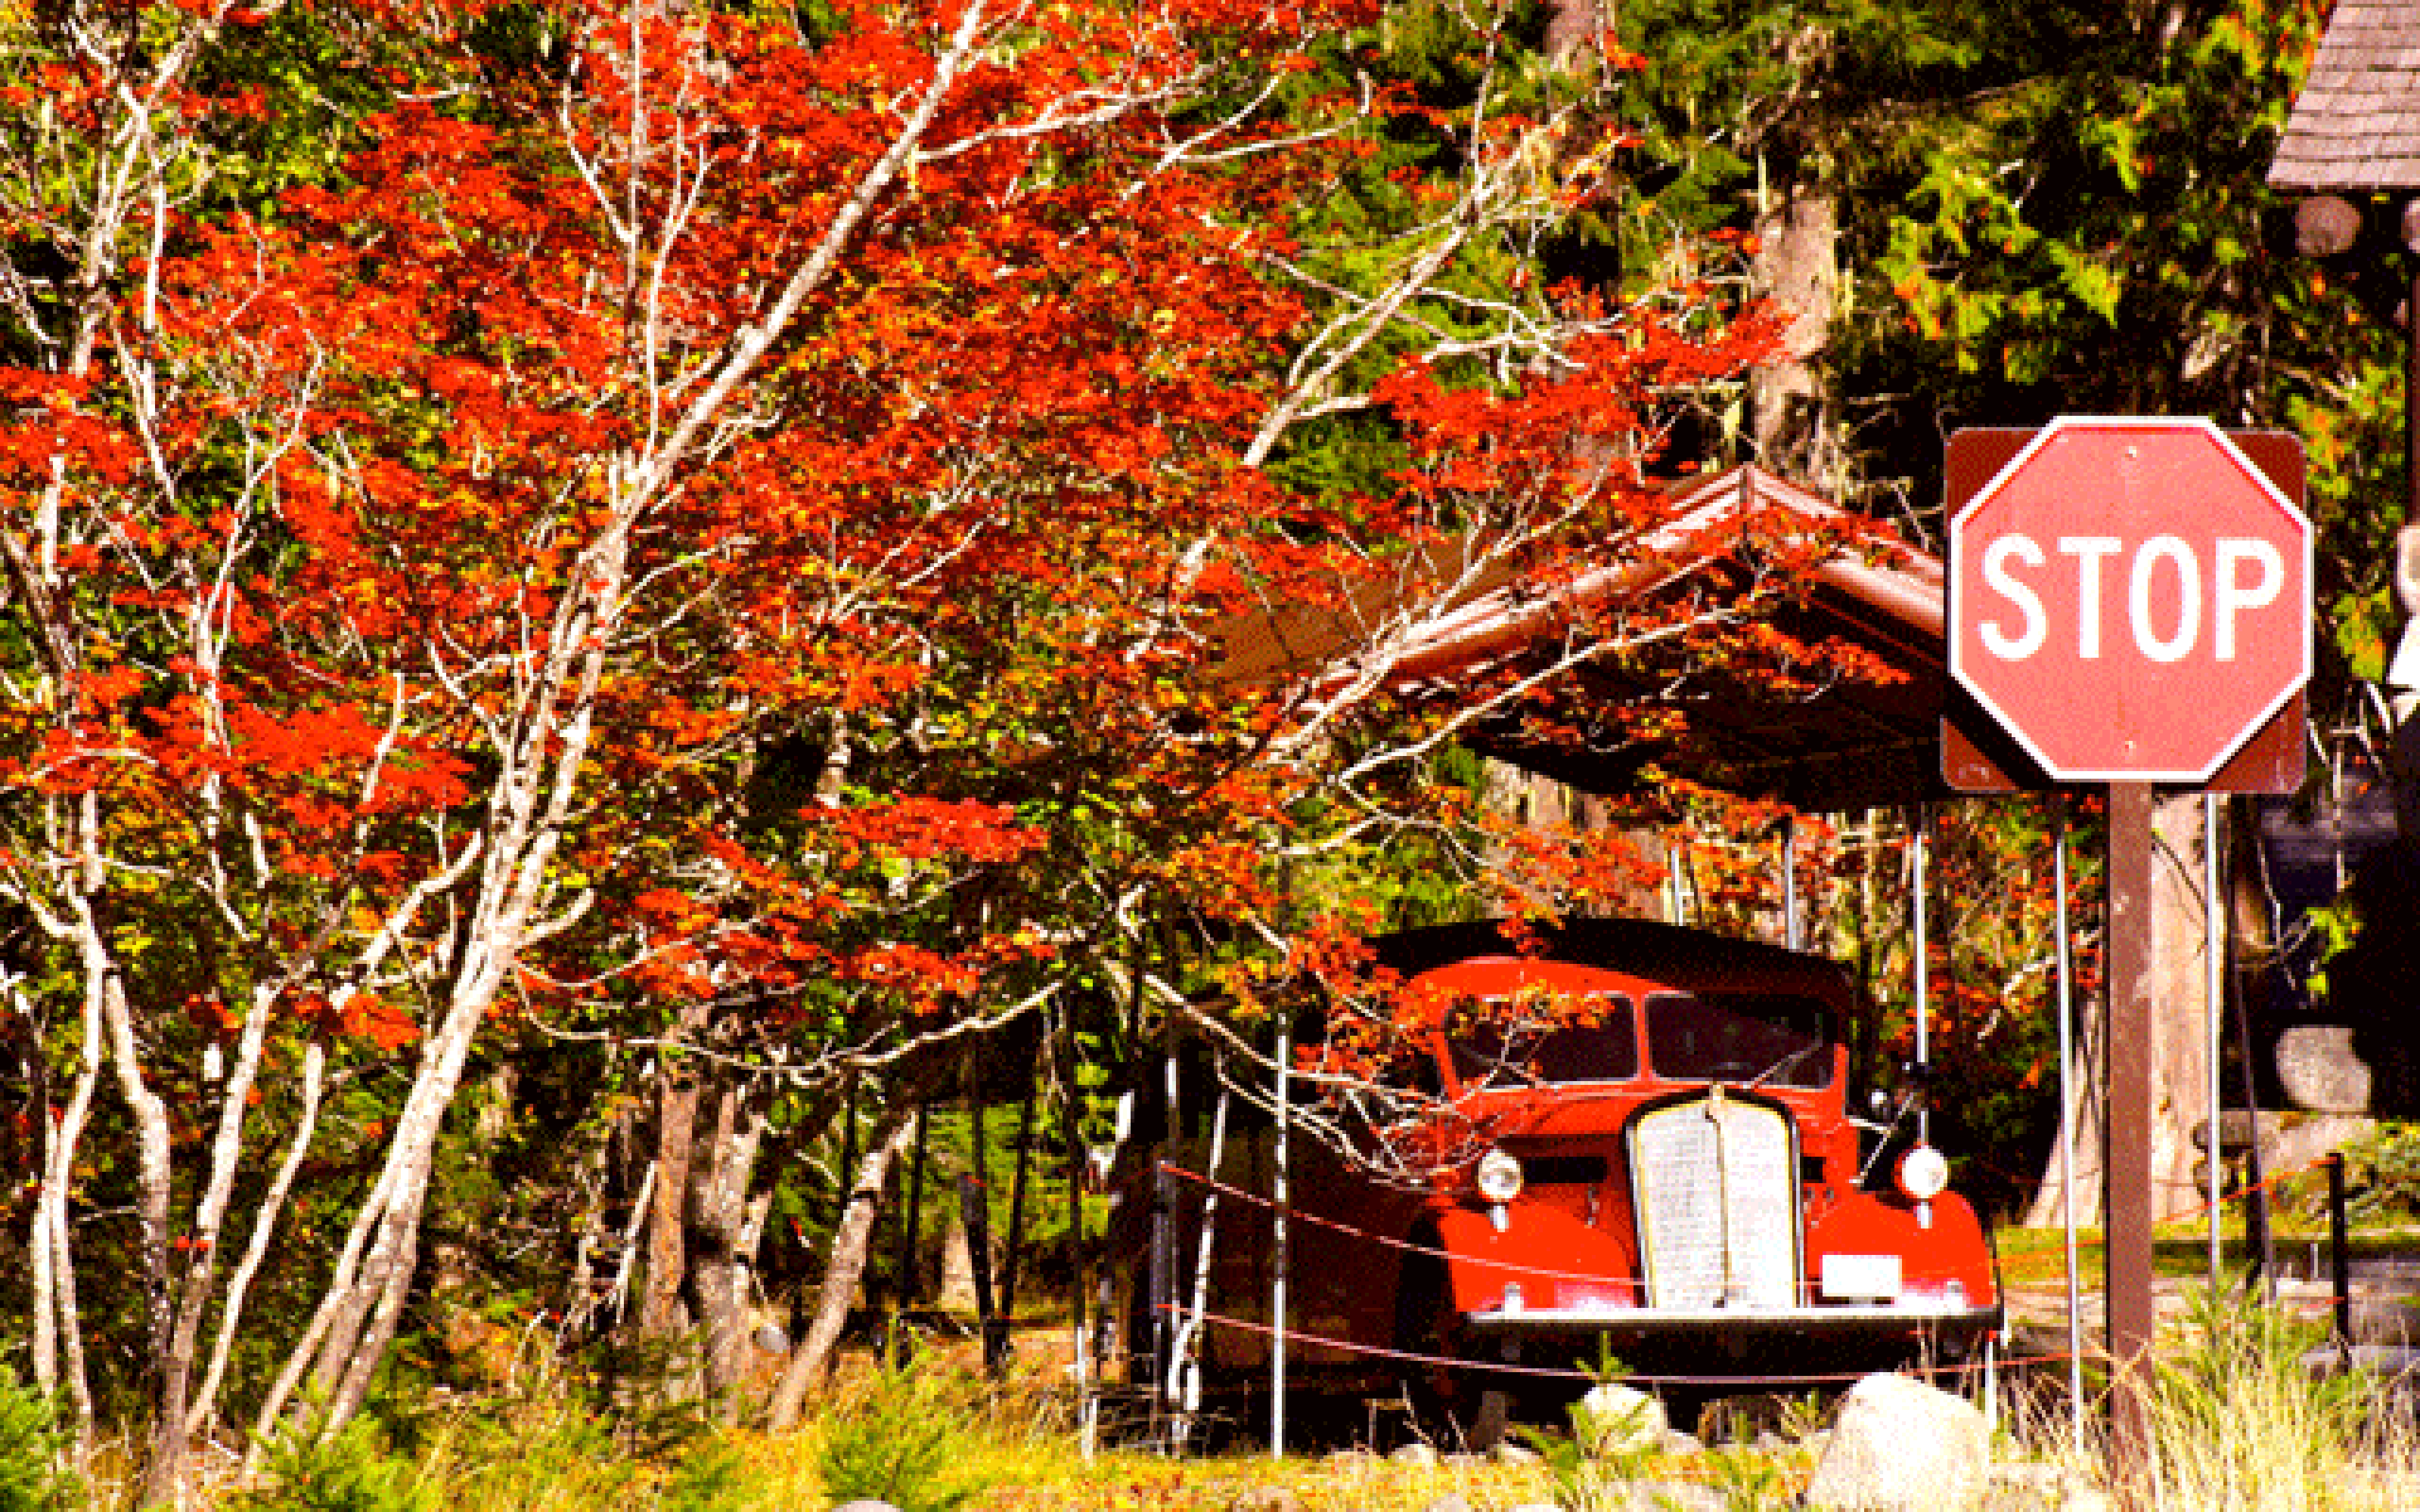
(1725, 1327)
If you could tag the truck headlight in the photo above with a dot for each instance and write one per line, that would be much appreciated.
(1499, 1177)
(1923, 1173)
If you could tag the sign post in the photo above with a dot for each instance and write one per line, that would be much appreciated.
(2129, 603)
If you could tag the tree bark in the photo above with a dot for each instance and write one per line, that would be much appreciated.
(810, 1364)
(264, 1225)
(1797, 268)
(2086, 1081)
(164, 1472)
(722, 1255)
(59, 1330)
(2180, 1042)
(2179, 1049)
(659, 1306)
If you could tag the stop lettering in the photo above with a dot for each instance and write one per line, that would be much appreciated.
(2130, 599)
(2164, 593)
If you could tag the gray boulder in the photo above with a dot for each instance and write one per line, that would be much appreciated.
(1899, 1446)
(1615, 1419)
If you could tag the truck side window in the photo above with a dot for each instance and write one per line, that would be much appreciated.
(1593, 1041)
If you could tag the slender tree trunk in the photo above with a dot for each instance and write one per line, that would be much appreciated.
(264, 1227)
(2180, 1053)
(659, 1308)
(723, 1255)
(164, 1475)
(349, 1333)
(63, 1361)
(1797, 266)
(2086, 1090)
(811, 1363)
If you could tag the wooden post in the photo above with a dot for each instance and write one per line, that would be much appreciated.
(2133, 1314)
(2339, 1256)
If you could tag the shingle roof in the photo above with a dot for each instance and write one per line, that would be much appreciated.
(2356, 124)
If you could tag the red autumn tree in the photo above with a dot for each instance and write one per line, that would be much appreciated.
(718, 523)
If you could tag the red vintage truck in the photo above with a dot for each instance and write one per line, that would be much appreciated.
(1625, 1137)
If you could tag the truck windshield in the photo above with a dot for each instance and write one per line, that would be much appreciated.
(1769, 1038)
(1595, 1040)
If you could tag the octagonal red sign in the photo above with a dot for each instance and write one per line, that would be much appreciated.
(2130, 599)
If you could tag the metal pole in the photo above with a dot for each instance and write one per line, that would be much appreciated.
(1917, 861)
(1071, 1134)
(2133, 1311)
(1161, 1298)
(1794, 931)
(2214, 989)
(1280, 1248)
(2067, 1128)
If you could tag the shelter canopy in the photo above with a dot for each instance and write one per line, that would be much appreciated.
(1839, 743)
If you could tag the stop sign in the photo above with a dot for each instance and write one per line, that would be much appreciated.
(2130, 599)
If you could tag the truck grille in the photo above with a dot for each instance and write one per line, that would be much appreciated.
(1718, 1186)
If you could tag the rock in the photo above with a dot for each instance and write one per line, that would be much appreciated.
(2320, 1071)
(1415, 1453)
(1450, 1502)
(1680, 1444)
(1614, 1419)
(1899, 1446)
(1266, 1499)
(1513, 1453)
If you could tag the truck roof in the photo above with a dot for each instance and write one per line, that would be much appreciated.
(1667, 953)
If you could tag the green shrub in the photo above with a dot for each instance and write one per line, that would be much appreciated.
(711, 1478)
(904, 1442)
(34, 1476)
(352, 1470)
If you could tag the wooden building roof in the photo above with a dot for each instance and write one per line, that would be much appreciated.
(2355, 128)
(1855, 743)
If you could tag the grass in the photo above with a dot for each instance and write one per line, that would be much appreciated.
(2234, 1418)
(2235, 1421)
(2181, 1252)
